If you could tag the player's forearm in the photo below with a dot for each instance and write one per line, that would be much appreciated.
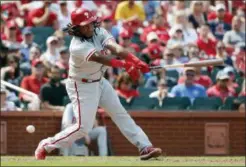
(108, 61)
(121, 52)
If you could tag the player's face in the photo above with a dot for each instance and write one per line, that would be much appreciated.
(87, 30)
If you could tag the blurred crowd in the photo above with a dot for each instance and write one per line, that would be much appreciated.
(158, 32)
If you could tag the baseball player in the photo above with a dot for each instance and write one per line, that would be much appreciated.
(87, 89)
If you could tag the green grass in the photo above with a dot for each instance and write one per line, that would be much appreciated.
(122, 161)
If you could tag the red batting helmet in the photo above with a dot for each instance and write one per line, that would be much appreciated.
(82, 17)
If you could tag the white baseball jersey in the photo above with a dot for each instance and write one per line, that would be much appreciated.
(80, 52)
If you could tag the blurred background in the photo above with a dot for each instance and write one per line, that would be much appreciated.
(35, 55)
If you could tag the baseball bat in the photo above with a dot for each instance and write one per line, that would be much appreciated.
(192, 64)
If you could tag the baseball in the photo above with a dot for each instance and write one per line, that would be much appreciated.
(30, 129)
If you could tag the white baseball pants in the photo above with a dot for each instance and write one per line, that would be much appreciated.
(86, 97)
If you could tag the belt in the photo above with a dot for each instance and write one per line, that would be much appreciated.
(87, 80)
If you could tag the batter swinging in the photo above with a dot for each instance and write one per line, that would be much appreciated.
(88, 89)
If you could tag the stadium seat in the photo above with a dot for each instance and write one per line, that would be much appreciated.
(66, 100)
(172, 77)
(142, 103)
(207, 103)
(174, 103)
(145, 91)
(232, 103)
(41, 34)
(228, 104)
(124, 103)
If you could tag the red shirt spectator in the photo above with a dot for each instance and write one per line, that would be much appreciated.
(127, 93)
(227, 17)
(157, 27)
(208, 46)
(124, 87)
(221, 88)
(202, 80)
(154, 51)
(51, 20)
(12, 33)
(241, 59)
(216, 91)
(125, 41)
(206, 41)
(34, 82)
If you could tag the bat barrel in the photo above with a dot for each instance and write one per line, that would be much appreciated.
(205, 63)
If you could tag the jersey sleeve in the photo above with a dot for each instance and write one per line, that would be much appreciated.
(105, 37)
(82, 50)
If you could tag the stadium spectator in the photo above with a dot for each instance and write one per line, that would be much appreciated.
(169, 59)
(190, 34)
(125, 41)
(53, 92)
(195, 54)
(177, 37)
(152, 81)
(200, 79)
(11, 33)
(241, 14)
(239, 57)
(157, 27)
(11, 73)
(107, 23)
(34, 82)
(43, 16)
(162, 92)
(197, 16)
(51, 55)
(222, 54)
(235, 36)
(220, 13)
(27, 43)
(63, 14)
(221, 89)
(206, 41)
(6, 105)
(127, 9)
(132, 26)
(98, 134)
(232, 77)
(189, 88)
(243, 89)
(150, 8)
(218, 26)
(63, 62)
(124, 87)
(152, 53)
(179, 53)
(3, 55)
(60, 35)
(152, 38)
(179, 5)
(34, 53)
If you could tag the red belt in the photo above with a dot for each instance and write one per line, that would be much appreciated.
(88, 80)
